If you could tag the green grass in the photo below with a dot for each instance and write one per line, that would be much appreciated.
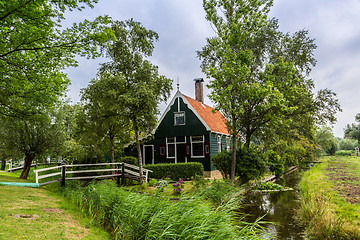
(130, 215)
(58, 219)
(326, 209)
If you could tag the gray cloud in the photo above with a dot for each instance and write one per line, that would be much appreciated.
(183, 30)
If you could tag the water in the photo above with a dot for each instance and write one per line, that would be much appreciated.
(278, 209)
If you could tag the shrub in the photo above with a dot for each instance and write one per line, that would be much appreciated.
(344, 153)
(275, 163)
(222, 162)
(174, 171)
(130, 160)
(250, 164)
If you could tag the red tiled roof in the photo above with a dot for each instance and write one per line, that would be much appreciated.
(216, 121)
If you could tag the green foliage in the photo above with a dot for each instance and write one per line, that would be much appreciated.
(353, 131)
(33, 137)
(142, 88)
(348, 144)
(269, 186)
(175, 171)
(130, 160)
(35, 48)
(275, 163)
(222, 162)
(344, 153)
(260, 76)
(219, 193)
(325, 138)
(103, 114)
(134, 216)
(251, 164)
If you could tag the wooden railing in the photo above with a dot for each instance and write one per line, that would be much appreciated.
(117, 170)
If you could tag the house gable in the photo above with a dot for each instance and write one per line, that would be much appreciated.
(194, 124)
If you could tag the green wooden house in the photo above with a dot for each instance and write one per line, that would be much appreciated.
(188, 131)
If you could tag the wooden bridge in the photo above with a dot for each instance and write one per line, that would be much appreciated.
(119, 171)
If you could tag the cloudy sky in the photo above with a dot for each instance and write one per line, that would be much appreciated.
(183, 30)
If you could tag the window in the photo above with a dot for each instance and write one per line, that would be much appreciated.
(179, 118)
(219, 144)
(170, 147)
(197, 146)
(180, 139)
(162, 151)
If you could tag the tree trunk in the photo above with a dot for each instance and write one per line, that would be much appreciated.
(3, 164)
(112, 148)
(139, 155)
(27, 165)
(233, 159)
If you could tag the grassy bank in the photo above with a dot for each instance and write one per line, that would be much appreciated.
(330, 207)
(54, 216)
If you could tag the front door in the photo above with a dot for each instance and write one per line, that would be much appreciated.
(148, 154)
(180, 152)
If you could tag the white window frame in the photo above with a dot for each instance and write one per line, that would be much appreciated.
(167, 147)
(192, 148)
(219, 137)
(180, 112)
(152, 157)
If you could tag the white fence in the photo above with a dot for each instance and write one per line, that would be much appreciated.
(114, 170)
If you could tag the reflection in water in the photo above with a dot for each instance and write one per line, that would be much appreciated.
(278, 209)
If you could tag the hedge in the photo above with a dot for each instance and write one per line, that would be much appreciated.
(174, 171)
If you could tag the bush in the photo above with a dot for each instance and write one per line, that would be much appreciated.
(344, 153)
(174, 171)
(222, 162)
(130, 160)
(275, 163)
(250, 164)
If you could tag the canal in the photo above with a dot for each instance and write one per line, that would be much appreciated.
(277, 209)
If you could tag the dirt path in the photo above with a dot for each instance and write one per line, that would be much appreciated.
(345, 178)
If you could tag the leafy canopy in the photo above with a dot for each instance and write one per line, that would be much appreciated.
(34, 48)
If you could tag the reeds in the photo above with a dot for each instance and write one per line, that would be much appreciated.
(130, 215)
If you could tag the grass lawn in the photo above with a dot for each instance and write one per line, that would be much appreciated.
(331, 198)
(57, 218)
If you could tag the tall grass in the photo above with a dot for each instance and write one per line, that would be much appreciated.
(318, 210)
(129, 215)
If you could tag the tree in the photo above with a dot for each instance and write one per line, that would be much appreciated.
(144, 88)
(325, 138)
(353, 131)
(258, 74)
(33, 136)
(104, 112)
(34, 48)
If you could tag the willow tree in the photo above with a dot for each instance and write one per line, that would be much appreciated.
(144, 88)
(32, 137)
(259, 75)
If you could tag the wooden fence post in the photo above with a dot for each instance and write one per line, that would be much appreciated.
(123, 179)
(117, 173)
(63, 173)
